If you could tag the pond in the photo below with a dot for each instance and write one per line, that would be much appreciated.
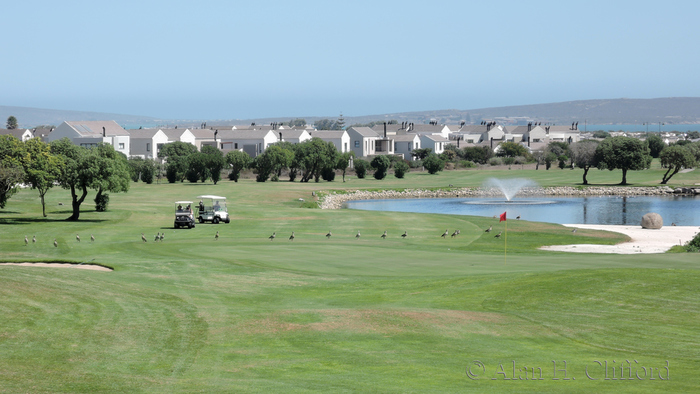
(616, 210)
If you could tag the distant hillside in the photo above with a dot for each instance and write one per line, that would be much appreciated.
(676, 110)
(614, 111)
(31, 117)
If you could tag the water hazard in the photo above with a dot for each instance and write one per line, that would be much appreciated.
(617, 210)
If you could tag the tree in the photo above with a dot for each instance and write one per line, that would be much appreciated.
(693, 135)
(313, 156)
(511, 149)
(214, 161)
(11, 123)
(562, 161)
(558, 148)
(77, 174)
(477, 154)
(675, 158)
(197, 167)
(601, 134)
(433, 163)
(135, 167)
(270, 162)
(12, 159)
(176, 155)
(361, 168)
(656, 144)
(421, 153)
(583, 154)
(624, 153)
(380, 164)
(299, 122)
(327, 124)
(149, 170)
(238, 161)
(344, 161)
(112, 173)
(400, 169)
(549, 158)
(42, 168)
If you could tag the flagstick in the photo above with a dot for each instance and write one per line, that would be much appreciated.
(505, 254)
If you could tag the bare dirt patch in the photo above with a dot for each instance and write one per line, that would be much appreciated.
(93, 267)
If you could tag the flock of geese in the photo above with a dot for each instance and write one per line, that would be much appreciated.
(55, 242)
(384, 235)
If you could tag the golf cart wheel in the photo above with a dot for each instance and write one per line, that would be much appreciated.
(228, 220)
(216, 220)
(201, 220)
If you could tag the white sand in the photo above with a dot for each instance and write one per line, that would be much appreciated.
(643, 240)
(62, 265)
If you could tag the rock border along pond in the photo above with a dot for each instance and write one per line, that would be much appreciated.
(335, 199)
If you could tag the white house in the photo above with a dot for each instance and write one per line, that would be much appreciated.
(253, 142)
(294, 136)
(362, 141)
(404, 144)
(146, 143)
(182, 135)
(203, 137)
(21, 134)
(339, 138)
(435, 142)
(91, 133)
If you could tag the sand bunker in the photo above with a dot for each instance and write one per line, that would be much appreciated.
(642, 240)
(63, 265)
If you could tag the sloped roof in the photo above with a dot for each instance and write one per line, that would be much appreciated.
(17, 133)
(174, 134)
(203, 133)
(435, 137)
(365, 131)
(242, 134)
(143, 133)
(404, 137)
(327, 133)
(89, 128)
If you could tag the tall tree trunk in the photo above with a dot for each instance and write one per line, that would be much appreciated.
(76, 202)
(585, 172)
(43, 205)
(624, 177)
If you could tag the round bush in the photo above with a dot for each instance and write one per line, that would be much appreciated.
(495, 161)
(400, 169)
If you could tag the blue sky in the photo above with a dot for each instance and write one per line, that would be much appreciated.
(246, 59)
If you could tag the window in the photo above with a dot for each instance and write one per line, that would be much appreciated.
(235, 145)
(121, 145)
(357, 144)
(148, 146)
(346, 147)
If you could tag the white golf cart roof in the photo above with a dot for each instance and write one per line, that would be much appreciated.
(183, 202)
(212, 197)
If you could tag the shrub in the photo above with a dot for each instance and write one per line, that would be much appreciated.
(400, 169)
(433, 163)
(495, 161)
(466, 164)
(520, 160)
(171, 173)
(101, 202)
(508, 160)
(415, 164)
(694, 244)
(361, 168)
(562, 161)
(381, 165)
(328, 174)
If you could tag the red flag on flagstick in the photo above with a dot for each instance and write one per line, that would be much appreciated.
(503, 217)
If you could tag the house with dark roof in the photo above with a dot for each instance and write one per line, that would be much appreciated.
(362, 141)
(91, 133)
(21, 134)
(294, 136)
(253, 142)
(404, 144)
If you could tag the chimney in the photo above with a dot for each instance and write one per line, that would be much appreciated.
(384, 130)
(491, 142)
(528, 141)
(104, 131)
(280, 136)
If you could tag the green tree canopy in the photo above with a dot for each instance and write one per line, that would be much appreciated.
(656, 144)
(512, 149)
(177, 155)
(344, 161)
(78, 173)
(433, 163)
(42, 168)
(112, 173)
(675, 158)
(13, 156)
(214, 161)
(624, 153)
(11, 123)
(583, 155)
(270, 162)
(313, 156)
(381, 165)
(421, 153)
(238, 161)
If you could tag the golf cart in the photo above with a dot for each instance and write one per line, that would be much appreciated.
(184, 216)
(212, 209)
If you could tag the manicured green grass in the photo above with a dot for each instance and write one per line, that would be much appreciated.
(246, 314)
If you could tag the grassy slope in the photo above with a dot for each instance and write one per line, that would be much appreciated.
(248, 314)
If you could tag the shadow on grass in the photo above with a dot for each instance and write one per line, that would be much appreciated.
(12, 221)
